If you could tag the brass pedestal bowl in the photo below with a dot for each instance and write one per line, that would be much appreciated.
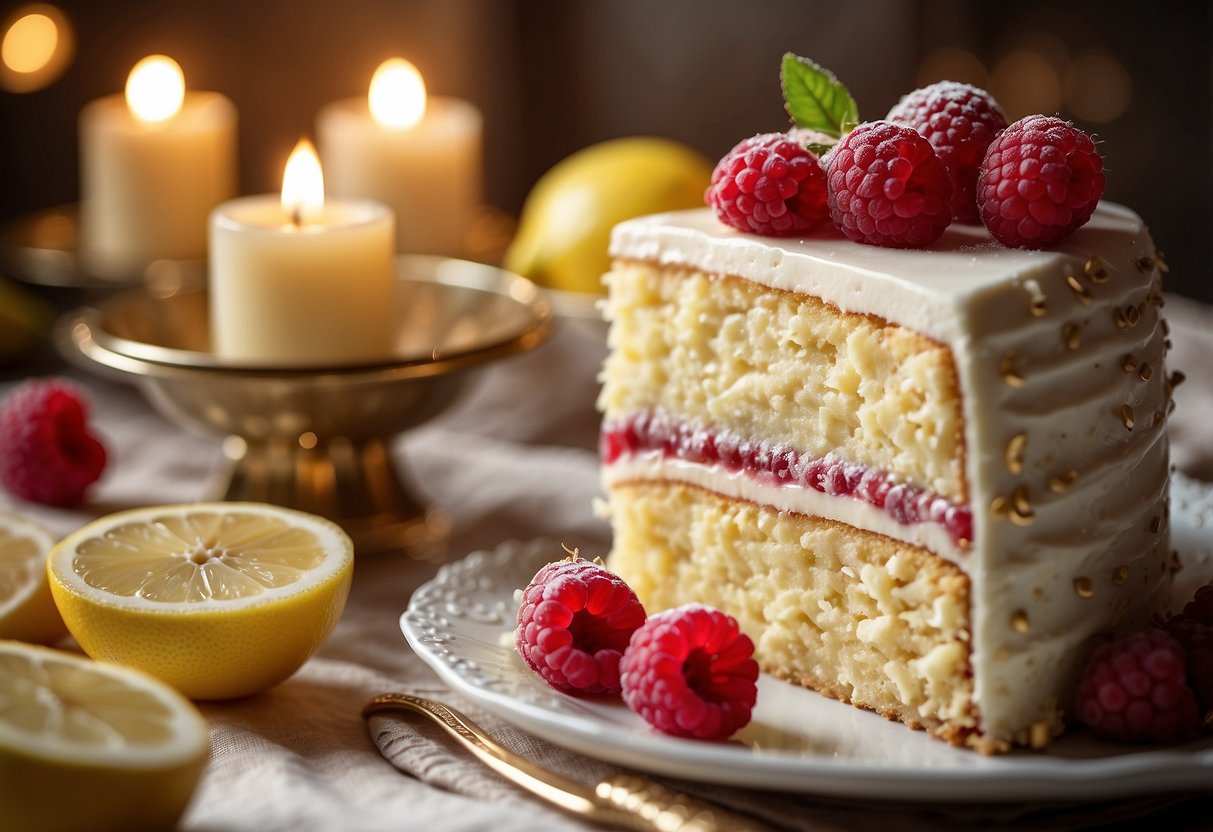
(316, 438)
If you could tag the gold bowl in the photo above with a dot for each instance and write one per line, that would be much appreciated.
(316, 438)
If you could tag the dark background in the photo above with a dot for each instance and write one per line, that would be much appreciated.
(551, 77)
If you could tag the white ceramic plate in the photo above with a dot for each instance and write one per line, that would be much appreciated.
(461, 623)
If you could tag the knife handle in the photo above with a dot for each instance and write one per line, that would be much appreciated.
(667, 810)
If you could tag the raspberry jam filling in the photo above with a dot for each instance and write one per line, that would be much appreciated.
(770, 464)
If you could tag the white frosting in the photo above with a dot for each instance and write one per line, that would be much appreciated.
(1072, 409)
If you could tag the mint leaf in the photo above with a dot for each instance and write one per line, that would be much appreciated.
(814, 98)
(818, 150)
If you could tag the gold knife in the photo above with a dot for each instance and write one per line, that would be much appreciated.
(626, 800)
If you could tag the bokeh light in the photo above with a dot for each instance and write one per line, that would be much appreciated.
(1098, 88)
(1025, 82)
(35, 49)
(951, 63)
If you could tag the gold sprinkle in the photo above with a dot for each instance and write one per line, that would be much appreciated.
(999, 506)
(1084, 588)
(1146, 372)
(1014, 453)
(1155, 524)
(1040, 736)
(1019, 621)
(1118, 315)
(1007, 368)
(1126, 416)
(1038, 307)
(1063, 482)
(1145, 264)
(1128, 363)
(1132, 316)
(1094, 270)
(1079, 289)
(1120, 575)
(1021, 513)
(1122, 606)
(1072, 336)
(1161, 260)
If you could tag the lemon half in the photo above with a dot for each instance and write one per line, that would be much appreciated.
(219, 600)
(90, 745)
(27, 611)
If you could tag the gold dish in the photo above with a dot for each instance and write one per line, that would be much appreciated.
(317, 438)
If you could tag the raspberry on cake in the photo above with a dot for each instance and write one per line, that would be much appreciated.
(921, 480)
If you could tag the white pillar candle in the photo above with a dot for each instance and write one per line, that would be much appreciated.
(419, 156)
(153, 163)
(300, 281)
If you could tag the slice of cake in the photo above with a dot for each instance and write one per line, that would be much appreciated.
(922, 481)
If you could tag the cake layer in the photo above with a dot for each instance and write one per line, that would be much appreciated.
(858, 616)
(759, 362)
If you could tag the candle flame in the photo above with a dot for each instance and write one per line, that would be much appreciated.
(303, 184)
(155, 89)
(397, 96)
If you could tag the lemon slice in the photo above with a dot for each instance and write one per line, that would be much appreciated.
(27, 611)
(219, 600)
(90, 745)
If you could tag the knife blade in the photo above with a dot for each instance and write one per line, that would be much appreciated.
(627, 800)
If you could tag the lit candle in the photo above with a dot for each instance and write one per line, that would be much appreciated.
(421, 156)
(153, 163)
(298, 280)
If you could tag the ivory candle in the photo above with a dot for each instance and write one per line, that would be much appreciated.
(153, 163)
(297, 280)
(419, 155)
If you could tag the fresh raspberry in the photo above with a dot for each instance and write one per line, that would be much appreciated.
(771, 185)
(960, 121)
(574, 623)
(691, 673)
(1135, 689)
(888, 188)
(1040, 180)
(47, 453)
(1200, 607)
(1196, 638)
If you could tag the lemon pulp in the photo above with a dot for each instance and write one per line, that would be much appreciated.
(27, 611)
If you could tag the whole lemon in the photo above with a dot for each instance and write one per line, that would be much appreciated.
(567, 218)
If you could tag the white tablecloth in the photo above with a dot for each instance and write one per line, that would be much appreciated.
(515, 458)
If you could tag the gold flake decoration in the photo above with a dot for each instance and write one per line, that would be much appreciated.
(1094, 270)
(1126, 416)
(1120, 575)
(1122, 606)
(1145, 264)
(1128, 363)
(1063, 482)
(1118, 315)
(1008, 372)
(1145, 372)
(1132, 316)
(1014, 453)
(1021, 513)
(999, 506)
(1037, 306)
(1071, 334)
(1084, 588)
(1078, 289)
(1039, 735)
(1161, 260)
(1019, 621)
